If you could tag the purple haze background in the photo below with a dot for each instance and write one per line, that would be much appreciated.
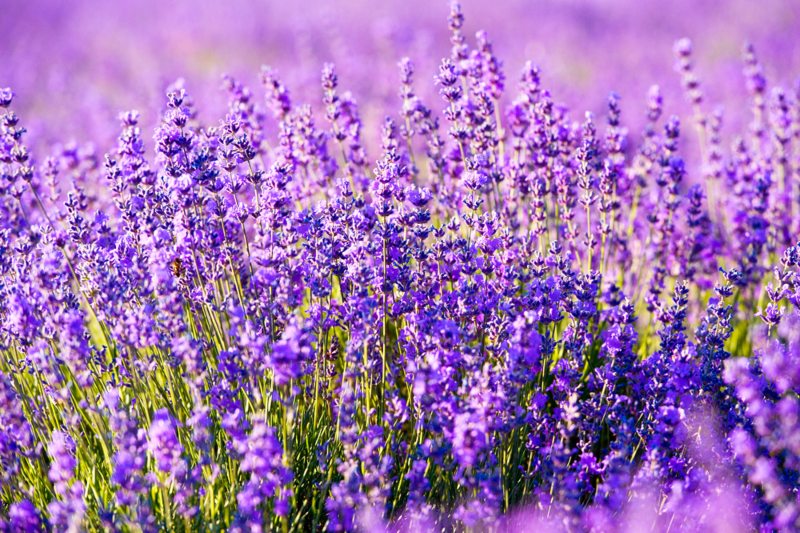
(78, 63)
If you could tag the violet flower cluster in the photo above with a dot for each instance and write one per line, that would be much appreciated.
(482, 311)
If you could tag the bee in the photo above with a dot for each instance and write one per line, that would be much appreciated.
(176, 267)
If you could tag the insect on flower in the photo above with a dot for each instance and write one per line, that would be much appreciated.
(176, 267)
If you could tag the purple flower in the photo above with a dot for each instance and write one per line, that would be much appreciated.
(63, 462)
(292, 353)
(67, 511)
(164, 446)
(23, 516)
(269, 481)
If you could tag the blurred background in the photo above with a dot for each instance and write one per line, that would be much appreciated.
(74, 64)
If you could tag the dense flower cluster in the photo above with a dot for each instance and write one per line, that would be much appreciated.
(494, 314)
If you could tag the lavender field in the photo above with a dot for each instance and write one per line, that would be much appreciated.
(400, 266)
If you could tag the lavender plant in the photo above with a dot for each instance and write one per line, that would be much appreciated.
(480, 311)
